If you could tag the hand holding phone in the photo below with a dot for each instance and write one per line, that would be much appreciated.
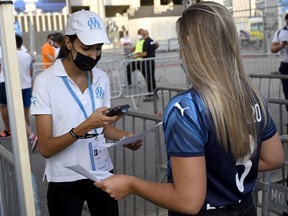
(118, 110)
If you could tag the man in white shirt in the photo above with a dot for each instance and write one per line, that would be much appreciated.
(25, 63)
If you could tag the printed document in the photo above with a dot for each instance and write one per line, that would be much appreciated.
(128, 140)
(94, 175)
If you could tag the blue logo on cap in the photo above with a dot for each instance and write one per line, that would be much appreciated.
(93, 23)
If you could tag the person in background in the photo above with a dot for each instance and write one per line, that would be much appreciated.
(25, 63)
(135, 50)
(126, 43)
(6, 133)
(148, 66)
(70, 101)
(58, 39)
(280, 44)
(219, 133)
(245, 38)
(48, 52)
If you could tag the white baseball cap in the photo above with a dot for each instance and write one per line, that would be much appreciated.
(88, 26)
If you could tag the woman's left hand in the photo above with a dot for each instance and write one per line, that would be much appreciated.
(117, 186)
(135, 145)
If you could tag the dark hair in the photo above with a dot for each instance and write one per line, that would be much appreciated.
(19, 41)
(64, 52)
(140, 31)
(49, 36)
(58, 37)
(286, 16)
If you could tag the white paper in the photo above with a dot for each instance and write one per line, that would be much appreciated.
(94, 175)
(128, 140)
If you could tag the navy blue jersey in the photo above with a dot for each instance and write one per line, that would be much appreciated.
(189, 131)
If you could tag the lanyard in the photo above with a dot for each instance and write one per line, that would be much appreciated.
(65, 80)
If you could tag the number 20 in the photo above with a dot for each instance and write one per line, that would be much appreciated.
(257, 113)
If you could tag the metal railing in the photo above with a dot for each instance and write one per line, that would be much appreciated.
(9, 197)
(149, 164)
(273, 186)
(168, 72)
(150, 161)
(270, 87)
(111, 67)
(146, 163)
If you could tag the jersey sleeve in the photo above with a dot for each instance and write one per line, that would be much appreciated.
(269, 129)
(40, 101)
(184, 130)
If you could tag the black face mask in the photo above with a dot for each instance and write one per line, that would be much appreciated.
(83, 62)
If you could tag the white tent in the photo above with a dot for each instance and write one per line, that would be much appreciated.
(15, 107)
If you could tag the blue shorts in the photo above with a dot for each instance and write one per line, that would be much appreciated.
(3, 98)
(26, 95)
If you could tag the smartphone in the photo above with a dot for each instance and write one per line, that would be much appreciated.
(118, 110)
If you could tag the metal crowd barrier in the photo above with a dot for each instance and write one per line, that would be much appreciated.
(273, 186)
(260, 63)
(146, 163)
(149, 163)
(168, 72)
(111, 67)
(274, 196)
(269, 84)
(9, 197)
(270, 87)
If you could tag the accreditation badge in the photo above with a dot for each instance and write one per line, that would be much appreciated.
(99, 155)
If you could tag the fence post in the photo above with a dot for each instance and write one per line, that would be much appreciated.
(32, 37)
(266, 194)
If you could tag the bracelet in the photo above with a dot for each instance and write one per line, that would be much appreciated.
(85, 136)
(73, 134)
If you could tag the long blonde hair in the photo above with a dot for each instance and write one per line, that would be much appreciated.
(209, 48)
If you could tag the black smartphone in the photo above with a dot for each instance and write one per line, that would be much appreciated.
(118, 110)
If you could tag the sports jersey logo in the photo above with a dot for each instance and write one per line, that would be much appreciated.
(245, 163)
(93, 23)
(99, 92)
(177, 105)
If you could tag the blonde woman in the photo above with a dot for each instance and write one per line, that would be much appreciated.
(219, 133)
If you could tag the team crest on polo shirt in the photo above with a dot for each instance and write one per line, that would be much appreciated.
(99, 92)
(93, 23)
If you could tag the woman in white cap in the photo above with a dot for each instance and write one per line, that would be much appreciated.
(70, 101)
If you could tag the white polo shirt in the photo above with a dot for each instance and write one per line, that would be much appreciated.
(280, 36)
(25, 65)
(51, 96)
